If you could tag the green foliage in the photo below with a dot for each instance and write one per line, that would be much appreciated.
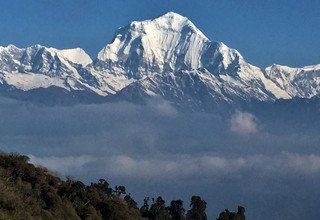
(31, 193)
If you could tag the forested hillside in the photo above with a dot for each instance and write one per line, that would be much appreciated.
(30, 192)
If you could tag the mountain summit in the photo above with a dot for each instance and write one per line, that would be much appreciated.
(166, 57)
(159, 55)
(168, 43)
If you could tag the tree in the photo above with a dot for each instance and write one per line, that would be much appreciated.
(158, 210)
(176, 210)
(197, 209)
(144, 210)
(130, 202)
(227, 215)
(240, 213)
(103, 186)
(120, 190)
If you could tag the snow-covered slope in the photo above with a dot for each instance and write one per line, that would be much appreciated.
(77, 55)
(41, 67)
(10, 58)
(298, 82)
(166, 57)
(167, 43)
(151, 50)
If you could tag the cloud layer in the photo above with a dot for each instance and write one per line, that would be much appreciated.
(186, 166)
(264, 161)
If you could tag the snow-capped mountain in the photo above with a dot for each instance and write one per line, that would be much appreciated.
(161, 54)
(168, 43)
(41, 67)
(166, 57)
(297, 82)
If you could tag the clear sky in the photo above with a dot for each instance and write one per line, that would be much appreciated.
(265, 32)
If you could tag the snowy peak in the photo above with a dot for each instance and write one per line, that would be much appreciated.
(176, 22)
(168, 43)
(43, 60)
(10, 57)
(303, 82)
(77, 55)
(42, 67)
(40, 59)
(167, 57)
(10, 47)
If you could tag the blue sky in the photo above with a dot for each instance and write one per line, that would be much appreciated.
(265, 32)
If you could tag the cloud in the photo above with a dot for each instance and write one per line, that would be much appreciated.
(162, 107)
(63, 165)
(308, 164)
(186, 167)
(243, 123)
(190, 166)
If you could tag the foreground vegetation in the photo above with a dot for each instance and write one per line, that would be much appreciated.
(29, 192)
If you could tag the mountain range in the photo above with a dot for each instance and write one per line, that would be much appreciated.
(166, 57)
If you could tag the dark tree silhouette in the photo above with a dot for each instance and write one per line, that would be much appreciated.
(176, 210)
(144, 210)
(158, 210)
(130, 202)
(198, 209)
(103, 186)
(227, 215)
(120, 190)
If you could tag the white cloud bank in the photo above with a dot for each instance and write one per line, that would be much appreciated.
(63, 165)
(186, 166)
